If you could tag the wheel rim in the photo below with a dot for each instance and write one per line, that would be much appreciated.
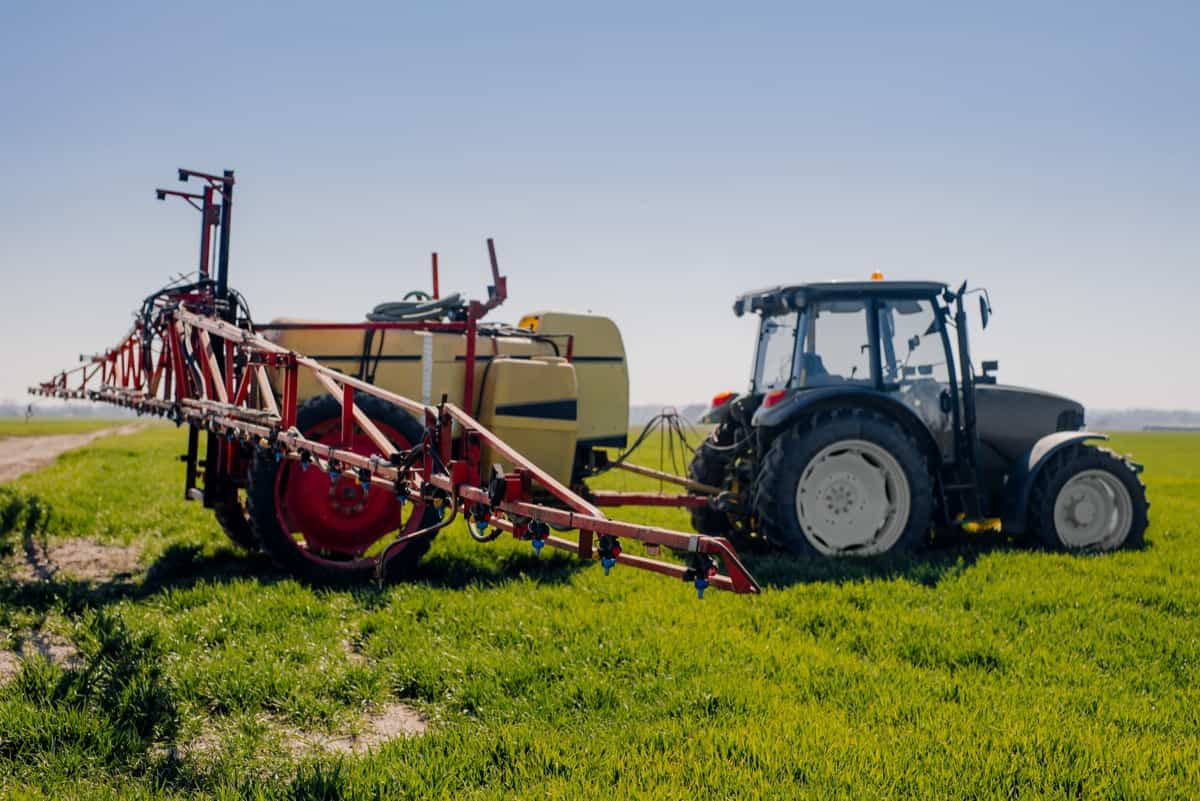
(335, 522)
(853, 498)
(1093, 510)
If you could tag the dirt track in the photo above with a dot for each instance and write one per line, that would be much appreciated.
(20, 455)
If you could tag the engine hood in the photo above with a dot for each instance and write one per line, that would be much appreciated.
(1012, 418)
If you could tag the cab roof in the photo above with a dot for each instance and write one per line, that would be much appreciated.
(779, 299)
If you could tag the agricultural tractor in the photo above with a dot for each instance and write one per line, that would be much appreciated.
(866, 426)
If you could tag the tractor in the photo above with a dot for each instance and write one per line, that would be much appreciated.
(866, 426)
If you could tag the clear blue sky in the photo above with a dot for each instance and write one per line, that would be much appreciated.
(645, 161)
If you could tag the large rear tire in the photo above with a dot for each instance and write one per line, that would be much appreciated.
(845, 482)
(324, 532)
(1088, 499)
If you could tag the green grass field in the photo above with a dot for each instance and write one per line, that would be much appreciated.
(985, 670)
(44, 426)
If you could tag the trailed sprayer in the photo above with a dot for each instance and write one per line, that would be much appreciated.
(342, 449)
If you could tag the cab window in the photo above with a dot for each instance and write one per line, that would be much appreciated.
(834, 344)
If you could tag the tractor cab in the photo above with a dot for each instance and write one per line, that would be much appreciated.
(878, 334)
(889, 338)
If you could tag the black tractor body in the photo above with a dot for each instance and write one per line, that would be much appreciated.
(867, 424)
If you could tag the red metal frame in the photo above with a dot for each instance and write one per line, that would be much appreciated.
(149, 371)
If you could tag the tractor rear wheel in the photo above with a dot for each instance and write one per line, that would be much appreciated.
(332, 531)
(845, 482)
(1088, 499)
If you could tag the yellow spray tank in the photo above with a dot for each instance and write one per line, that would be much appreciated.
(554, 387)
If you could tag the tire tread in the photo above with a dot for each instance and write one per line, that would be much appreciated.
(234, 520)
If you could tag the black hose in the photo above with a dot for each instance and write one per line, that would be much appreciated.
(416, 311)
(673, 426)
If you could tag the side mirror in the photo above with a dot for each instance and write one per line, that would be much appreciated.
(985, 311)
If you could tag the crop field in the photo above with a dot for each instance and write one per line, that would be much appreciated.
(182, 668)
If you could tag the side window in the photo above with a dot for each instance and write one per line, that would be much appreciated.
(910, 343)
(776, 346)
(835, 344)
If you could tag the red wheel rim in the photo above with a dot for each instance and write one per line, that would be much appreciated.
(338, 521)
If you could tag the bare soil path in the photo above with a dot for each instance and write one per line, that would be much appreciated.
(21, 455)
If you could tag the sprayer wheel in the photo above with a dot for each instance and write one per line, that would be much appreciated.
(331, 531)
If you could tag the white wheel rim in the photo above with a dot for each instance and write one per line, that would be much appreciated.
(853, 499)
(1093, 511)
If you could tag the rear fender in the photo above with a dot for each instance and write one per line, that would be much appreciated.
(807, 401)
(1025, 470)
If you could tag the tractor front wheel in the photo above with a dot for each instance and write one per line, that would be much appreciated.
(1088, 499)
(332, 530)
(845, 482)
